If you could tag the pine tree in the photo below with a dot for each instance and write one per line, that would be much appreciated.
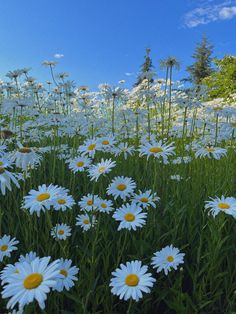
(146, 71)
(201, 68)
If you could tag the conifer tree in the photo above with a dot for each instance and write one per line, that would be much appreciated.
(146, 71)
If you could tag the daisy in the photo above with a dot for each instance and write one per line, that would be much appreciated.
(85, 221)
(101, 168)
(167, 258)
(61, 231)
(28, 257)
(145, 199)
(89, 147)
(63, 202)
(224, 204)
(131, 280)
(106, 143)
(79, 164)
(211, 152)
(89, 202)
(123, 149)
(130, 217)
(157, 149)
(6, 178)
(7, 271)
(67, 275)
(121, 187)
(33, 281)
(26, 157)
(41, 199)
(7, 245)
(105, 206)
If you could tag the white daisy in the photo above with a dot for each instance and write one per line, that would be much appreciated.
(6, 178)
(224, 204)
(130, 217)
(211, 152)
(167, 258)
(89, 147)
(157, 149)
(41, 199)
(7, 245)
(145, 199)
(61, 231)
(32, 282)
(63, 202)
(85, 221)
(26, 157)
(105, 206)
(131, 280)
(121, 187)
(101, 168)
(67, 275)
(79, 163)
(89, 202)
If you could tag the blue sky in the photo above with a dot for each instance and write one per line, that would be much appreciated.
(104, 40)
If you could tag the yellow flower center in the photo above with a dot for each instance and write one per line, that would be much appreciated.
(64, 272)
(144, 199)
(2, 170)
(223, 206)
(61, 201)
(129, 217)
(33, 281)
(86, 222)
(17, 271)
(217, 108)
(90, 202)
(1, 163)
(61, 232)
(91, 146)
(24, 150)
(43, 197)
(155, 150)
(101, 169)
(132, 280)
(233, 123)
(103, 205)
(80, 164)
(3, 247)
(105, 142)
(210, 149)
(121, 187)
(170, 258)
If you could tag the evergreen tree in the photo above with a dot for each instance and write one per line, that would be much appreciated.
(146, 71)
(201, 68)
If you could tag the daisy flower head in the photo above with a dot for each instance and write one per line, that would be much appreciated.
(67, 275)
(63, 202)
(85, 221)
(89, 148)
(123, 149)
(7, 271)
(121, 187)
(61, 231)
(89, 202)
(41, 199)
(6, 178)
(222, 204)
(211, 152)
(106, 143)
(79, 164)
(167, 258)
(7, 245)
(145, 199)
(26, 157)
(130, 216)
(101, 168)
(32, 282)
(105, 206)
(131, 280)
(157, 150)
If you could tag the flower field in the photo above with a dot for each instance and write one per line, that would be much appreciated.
(116, 200)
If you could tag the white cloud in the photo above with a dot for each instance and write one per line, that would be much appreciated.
(210, 13)
(129, 74)
(58, 55)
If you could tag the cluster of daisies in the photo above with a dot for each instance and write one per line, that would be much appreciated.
(31, 277)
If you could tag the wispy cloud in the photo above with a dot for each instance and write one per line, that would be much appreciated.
(210, 12)
(58, 55)
(129, 74)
